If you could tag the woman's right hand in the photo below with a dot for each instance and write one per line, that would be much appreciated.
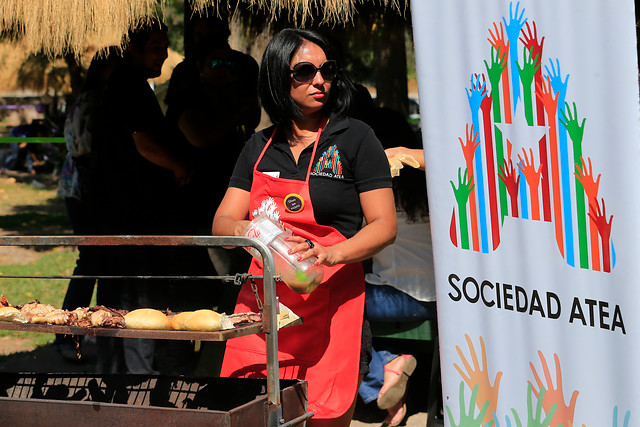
(239, 227)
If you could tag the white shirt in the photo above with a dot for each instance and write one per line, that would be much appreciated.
(407, 264)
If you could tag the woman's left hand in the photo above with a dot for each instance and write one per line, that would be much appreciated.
(305, 250)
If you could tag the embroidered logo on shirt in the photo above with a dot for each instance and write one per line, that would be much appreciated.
(329, 164)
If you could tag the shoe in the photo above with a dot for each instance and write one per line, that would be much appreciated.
(396, 416)
(394, 393)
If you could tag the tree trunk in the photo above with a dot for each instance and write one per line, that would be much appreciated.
(391, 63)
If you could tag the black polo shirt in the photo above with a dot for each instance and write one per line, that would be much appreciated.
(349, 160)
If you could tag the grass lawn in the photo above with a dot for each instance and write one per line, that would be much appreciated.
(27, 209)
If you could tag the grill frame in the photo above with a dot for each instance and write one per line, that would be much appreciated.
(272, 407)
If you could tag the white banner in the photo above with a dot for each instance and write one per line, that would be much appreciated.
(531, 131)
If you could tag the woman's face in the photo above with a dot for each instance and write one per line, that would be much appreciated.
(311, 96)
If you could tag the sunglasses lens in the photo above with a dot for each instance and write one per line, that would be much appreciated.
(304, 73)
(329, 70)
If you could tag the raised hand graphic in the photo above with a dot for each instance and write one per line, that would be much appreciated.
(530, 41)
(476, 96)
(529, 67)
(625, 423)
(498, 63)
(515, 23)
(469, 151)
(477, 93)
(527, 72)
(461, 193)
(576, 130)
(533, 180)
(554, 396)
(468, 420)
(546, 95)
(499, 43)
(478, 376)
(599, 218)
(513, 32)
(586, 179)
(469, 148)
(550, 103)
(570, 122)
(535, 420)
(494, 71)
(555, 77)
(511, 180)
(560, 87)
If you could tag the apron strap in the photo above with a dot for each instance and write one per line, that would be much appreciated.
(315, 146)
(313, 153)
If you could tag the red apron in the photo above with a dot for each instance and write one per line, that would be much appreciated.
(325, 349)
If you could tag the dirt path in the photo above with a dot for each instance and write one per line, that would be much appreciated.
(9, 345)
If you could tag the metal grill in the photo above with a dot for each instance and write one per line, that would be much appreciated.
(128, 399)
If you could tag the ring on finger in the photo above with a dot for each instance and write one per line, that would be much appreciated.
(310, 243)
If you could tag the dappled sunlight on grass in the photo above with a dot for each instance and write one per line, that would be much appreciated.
(29, 209)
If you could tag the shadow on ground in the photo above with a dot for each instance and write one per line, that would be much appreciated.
(47, 359)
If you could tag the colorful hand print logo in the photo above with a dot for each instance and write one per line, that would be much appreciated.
(548, 179)
(545, 402)
(329, 161)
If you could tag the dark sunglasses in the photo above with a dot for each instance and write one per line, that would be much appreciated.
(304, 72)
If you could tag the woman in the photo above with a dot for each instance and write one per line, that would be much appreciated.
(401, 284)
(338, 170)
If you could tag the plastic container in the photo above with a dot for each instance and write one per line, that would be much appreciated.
(301, 276)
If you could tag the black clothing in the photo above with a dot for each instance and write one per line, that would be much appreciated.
(349, 160)
(135, 193)
(137, 197)
(212, 165)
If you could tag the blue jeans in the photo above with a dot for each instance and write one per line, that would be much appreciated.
(388, 304)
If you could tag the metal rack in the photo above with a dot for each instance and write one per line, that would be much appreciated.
(269, 324)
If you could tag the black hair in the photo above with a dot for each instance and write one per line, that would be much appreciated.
(139, 34)
(103, 59)
(410, 187)
(274, 82)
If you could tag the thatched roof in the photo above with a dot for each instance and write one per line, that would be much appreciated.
(62, 26)
(57, 26)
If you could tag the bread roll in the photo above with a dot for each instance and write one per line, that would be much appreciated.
(146, 318)
(12, 314)
(203, 320)
(177, 321)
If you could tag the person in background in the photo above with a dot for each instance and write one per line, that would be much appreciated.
(23, 156)
(400, 285)
(336, 172)
(137, 177)
(212, 109)
(75, 184)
